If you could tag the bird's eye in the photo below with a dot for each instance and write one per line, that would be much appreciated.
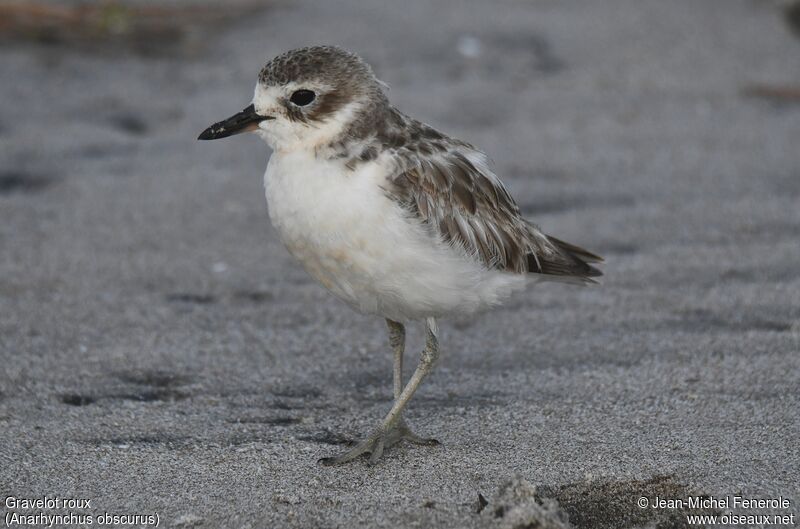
(302, 98)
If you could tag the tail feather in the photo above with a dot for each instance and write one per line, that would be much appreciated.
(577, 251)
(568, 263)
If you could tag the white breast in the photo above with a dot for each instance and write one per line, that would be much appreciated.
(365, 249)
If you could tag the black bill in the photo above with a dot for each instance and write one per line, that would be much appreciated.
(245, 121)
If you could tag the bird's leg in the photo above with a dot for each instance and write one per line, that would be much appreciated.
(393, 428)
(397, 340)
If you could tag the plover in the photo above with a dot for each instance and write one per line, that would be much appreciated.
(390, 215)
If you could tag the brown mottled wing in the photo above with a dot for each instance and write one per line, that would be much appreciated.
(465, 204)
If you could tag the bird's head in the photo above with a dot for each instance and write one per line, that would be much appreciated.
(306, 98)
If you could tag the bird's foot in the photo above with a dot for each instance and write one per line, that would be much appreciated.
(377, 442)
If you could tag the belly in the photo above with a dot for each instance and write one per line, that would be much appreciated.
(342, 266)
(362, 247)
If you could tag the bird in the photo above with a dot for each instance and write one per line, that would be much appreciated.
(392, 216)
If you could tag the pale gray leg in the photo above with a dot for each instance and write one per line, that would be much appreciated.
(393, 428)
(397, 339)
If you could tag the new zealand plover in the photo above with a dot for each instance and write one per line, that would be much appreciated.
(393, 217)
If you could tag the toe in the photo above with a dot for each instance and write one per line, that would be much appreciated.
(365, 446)
(424, 441)
(377, 451)
(407, 434)
(377, 443)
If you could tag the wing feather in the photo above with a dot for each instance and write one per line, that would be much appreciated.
(466, 205)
